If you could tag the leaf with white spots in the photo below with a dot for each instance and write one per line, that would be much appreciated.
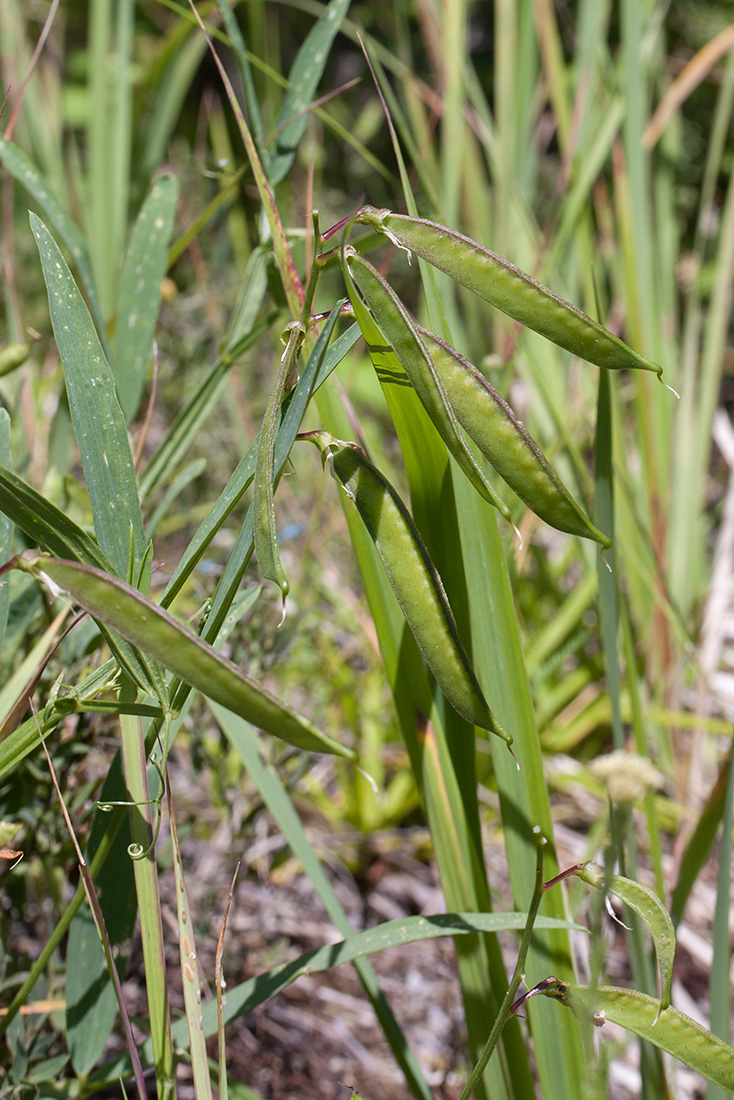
(96, 416)
(303, 80)
(140, 291)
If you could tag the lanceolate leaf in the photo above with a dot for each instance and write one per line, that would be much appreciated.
(99, 425)
(146, 624)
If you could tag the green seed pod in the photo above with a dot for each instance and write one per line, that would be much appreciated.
(508, 288)
(504, 441)
(413, 577)
(650, 908)
(669, 1030)
(155, 631)
(13, 356)
(402, 334)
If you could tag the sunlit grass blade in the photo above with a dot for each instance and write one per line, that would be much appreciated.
(145, 868)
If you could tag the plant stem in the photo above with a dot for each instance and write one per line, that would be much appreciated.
(517, 977)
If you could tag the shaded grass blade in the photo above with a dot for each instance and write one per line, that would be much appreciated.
(15, 161)
(303, 81)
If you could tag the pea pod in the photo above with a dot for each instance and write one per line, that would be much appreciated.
(670, 1030)
(649, 908)
(508, 288)
(413, 577)
(155, 631)
(13, 356)
(504, 441)
(402, 334)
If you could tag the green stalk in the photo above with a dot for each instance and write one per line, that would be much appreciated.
(142, 852)
(518, 976)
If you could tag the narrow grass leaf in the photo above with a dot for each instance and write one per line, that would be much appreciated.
(303, 81)
(265, 531)
(146, 624)
(698, 849)
(321, 362)
(245, 997)
(237, 43)
(719, 983)
(241, 553)
(289, 275)
(68, 232)
(140, 291)
(99, 425)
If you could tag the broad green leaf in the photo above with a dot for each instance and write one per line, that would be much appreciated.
(140, 291)
(68, 232)
(303, 81)
(91, 1004)
(99, 425)
(145, 624)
